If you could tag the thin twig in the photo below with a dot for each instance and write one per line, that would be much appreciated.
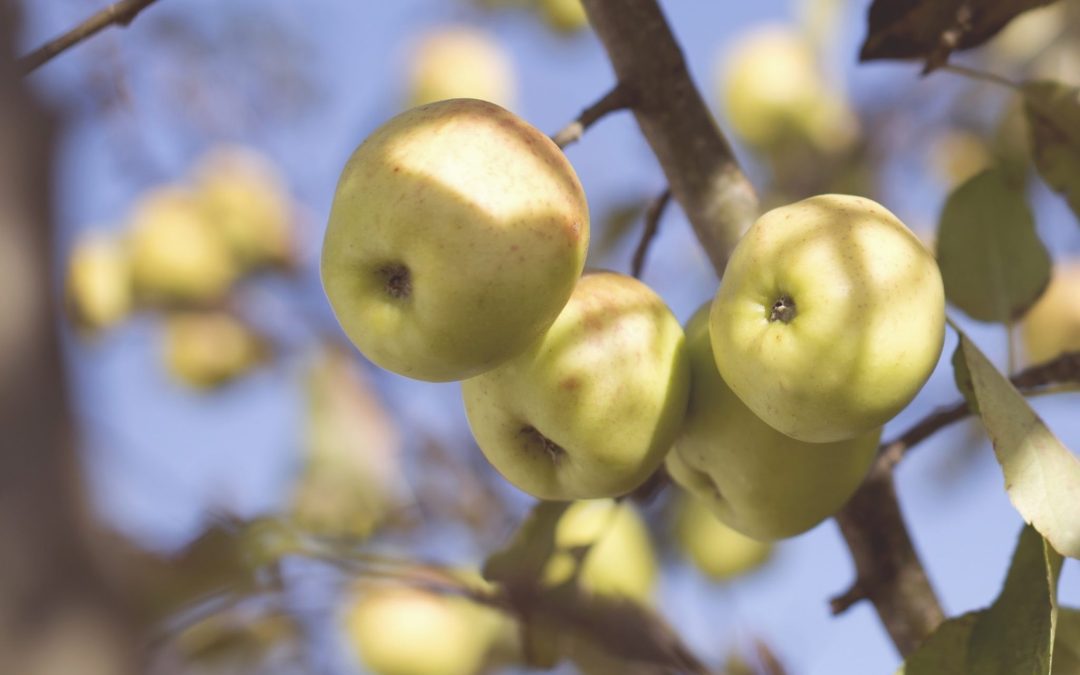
(618, 98)
(1063, 369)
(981, 75)
(118, 14)
(653, 214)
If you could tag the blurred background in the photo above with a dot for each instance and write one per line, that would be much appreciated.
(212, 386)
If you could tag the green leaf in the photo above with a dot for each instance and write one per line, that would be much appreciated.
(992, 262)
(1042, 477)
(1067, 642)
(945, 651)
(1016, 635)
(1053, 114)
(931, 29)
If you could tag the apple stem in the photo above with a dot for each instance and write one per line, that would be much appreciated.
(783, 309)
(398, 280)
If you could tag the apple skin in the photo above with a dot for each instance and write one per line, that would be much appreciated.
(456, 236)
(460, 62)
(716, 549)
(867, 326)
(407, 631)
(591, 408)
(99, 292)
(755, 479)
(565, 16)
(621, 561)
(206, 350)
(1052, 325)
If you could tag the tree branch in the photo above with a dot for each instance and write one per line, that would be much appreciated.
(118, 14)
(700, 166)
(653, 214)
(720, 203)
(618, 98)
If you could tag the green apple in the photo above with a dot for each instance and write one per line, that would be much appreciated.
(621, 561)
(716, 549)
(246, 199)
(755, 479)
(456, 236)
(204, 350)
(407, 631)
(829, 319)
(591, 408)
(1052, 325)
(99, 292)
(460, 62)
(177, 254)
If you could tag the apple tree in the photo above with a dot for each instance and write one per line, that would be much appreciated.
(530, 517)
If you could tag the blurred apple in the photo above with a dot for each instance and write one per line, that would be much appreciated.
(407, 631)
(246, 199)
(620, 562)
(204, 350)
(713, 547)
(772, 91)
(958, 154)
(1052, 325)
(591, 408)
(460, 62)
(99, 292)
(177, 255)
(1027, 36)
(566, 16)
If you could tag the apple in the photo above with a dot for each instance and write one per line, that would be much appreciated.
(1052, 325)
(566, 16)
(246, 199)
(755, 479)
(456, 236)
(591, 408)
(460, 62)
(177, 255)
(398, 630)
(716, 549)
(204, 350)
(99, 292)
(829, 318)
(772, 91)
(621, 561)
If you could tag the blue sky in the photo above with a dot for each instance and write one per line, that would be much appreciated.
(158, 456)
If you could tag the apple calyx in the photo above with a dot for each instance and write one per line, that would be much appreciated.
(783, 309)
(397, 280)
(535, 439)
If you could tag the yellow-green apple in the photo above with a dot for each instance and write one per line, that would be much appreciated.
(716, 549)
(408, 631)
(246, 199)
(1052, 325)
(567, 16)
(460, 62)
(829, 319)
(772, 91)
(99, 290)
(177, 255)
(591, 408)
(621, 561)
(208, 349)
(755, 479)
(456, 236)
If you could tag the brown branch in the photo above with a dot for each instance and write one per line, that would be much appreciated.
(653, 214)
(1061, 370)
(720, 203)
(618, 98)
(118, 14)
(699, 164)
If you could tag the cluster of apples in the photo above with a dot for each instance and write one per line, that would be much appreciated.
(455, 250)
(184, 247)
